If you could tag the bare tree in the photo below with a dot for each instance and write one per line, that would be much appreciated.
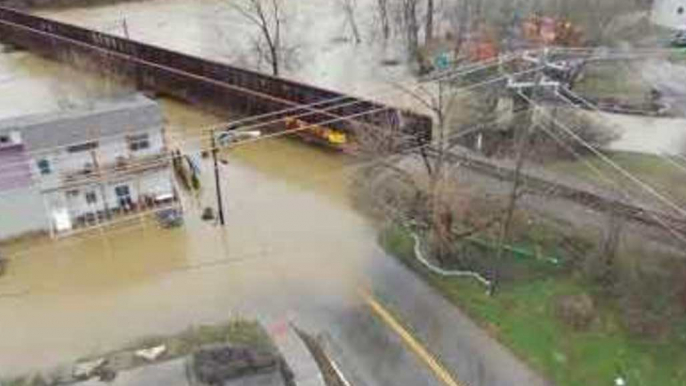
(349, 7)
(407, 20)
(269, 17)
(427, 194)
(429, 26)
(606, 266)
(384, 21)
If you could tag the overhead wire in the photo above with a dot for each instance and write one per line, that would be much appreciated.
(327, 175)
(596, 109)
(617, 186)
(241, 121)
(301, 128)
(612, 163)
(295, 105)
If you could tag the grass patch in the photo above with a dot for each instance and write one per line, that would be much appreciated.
(521, 317)
(652, 169)
(609, 80)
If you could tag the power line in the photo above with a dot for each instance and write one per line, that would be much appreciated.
(306, 127)
(279, 112)
(610, 162)
(624, 192)
(596, 109)
(203, 78)
(403, 152)
(243, 258)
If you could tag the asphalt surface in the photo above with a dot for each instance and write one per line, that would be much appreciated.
(370, 353)
(463, 348)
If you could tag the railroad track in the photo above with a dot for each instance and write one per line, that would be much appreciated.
(591, 200)
(226, 87)
(198, 80)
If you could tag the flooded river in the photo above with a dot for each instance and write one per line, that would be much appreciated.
(292, 241)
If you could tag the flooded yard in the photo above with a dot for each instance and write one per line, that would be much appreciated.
(290, 233)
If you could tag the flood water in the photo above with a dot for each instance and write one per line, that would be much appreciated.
(291, 240)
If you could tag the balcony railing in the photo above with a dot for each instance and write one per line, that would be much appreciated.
(122, 166)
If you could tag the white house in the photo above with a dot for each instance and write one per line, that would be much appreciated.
(670, 14)
(77, 168)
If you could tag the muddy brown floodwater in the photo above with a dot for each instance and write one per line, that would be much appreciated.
(291, 240)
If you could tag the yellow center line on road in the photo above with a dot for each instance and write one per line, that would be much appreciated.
(441, 373)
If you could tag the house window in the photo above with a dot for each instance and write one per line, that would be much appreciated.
(680, 10)
(44, 167)
(91, 198)
(138, 142)
(4, 139)
(72, 193)
(123, 196)
(82, 147)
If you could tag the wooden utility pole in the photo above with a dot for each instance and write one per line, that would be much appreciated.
(522, 148)
(125, 27)
(217, 181)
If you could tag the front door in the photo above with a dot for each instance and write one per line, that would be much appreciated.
(124, 197)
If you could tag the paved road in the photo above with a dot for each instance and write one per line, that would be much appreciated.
(473, 357)
(371, 353)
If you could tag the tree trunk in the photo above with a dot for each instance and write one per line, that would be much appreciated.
(275, 61)
(350, 10)
(412, 28)
(429, 28)
(383, 18)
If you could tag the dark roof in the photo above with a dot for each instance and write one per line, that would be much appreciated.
(102, 119)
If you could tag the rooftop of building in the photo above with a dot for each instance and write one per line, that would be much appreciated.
(109, 118)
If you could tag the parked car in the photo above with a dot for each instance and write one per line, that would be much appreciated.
(170, 218)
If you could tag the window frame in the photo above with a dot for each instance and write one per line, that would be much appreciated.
(83, 147)
(138, 142)
(44, 166)
(91, 198)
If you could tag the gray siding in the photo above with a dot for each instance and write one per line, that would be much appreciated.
(22, 211)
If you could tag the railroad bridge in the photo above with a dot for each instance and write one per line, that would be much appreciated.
(220, 86)
(268, 99)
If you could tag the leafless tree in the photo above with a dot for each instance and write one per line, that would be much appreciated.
(349, 8)
(384, 20)
(408, 24)
(428, 193)
(429, 26)
(604, 268)
(269, 17)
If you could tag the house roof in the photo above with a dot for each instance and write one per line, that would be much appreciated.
(101, 119)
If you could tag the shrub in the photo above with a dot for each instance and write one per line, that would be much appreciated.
(577, 311)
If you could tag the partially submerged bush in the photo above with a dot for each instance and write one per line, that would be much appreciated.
(652, 292)
(576, 311)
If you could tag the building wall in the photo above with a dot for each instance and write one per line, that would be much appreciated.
(62, 161)
(670, 14)
(46, 151)
(151, 184)
(21, 211)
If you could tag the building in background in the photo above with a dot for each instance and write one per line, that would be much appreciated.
(78, 168)
(670, 14)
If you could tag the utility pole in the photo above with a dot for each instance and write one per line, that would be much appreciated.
(522, 93)
(126, 27)
(217, 182)
(522, 147)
